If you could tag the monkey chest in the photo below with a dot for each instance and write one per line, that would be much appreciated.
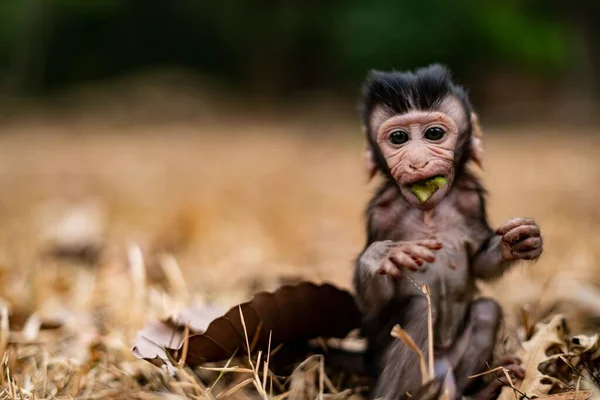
(449, 275)
(452, 291)
(448, 278)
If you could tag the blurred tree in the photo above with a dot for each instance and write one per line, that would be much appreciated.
(583, 15)
(279, 47)
(24, 27)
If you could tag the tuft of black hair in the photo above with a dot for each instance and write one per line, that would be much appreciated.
(422, 89)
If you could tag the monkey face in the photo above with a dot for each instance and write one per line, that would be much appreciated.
(419, 150)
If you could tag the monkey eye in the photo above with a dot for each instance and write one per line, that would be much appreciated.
(398, 137)
(434, 133)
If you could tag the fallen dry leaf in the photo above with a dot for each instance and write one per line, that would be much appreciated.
(556, 366)
(534, 352)
(292, 313)
(575, 395)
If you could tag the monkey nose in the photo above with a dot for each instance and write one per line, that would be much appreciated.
(415, 166)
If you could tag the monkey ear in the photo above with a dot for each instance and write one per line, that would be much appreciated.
(476, 141)
(369, 157)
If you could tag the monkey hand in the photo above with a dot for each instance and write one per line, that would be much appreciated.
(521, 239)
(411, 255)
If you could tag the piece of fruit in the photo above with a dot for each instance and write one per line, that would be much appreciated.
(423, 190)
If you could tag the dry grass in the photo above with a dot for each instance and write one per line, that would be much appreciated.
(240, 204)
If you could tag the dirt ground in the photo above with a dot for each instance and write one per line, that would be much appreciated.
(241, 204)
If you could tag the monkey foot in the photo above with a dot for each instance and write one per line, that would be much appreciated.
(492, 389)
(430, 391)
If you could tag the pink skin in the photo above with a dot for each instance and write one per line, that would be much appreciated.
(411, 255)
(521, 239)
(419, 158)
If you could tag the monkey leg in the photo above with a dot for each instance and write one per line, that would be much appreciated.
(432, 390)
(473, 351)
(398, 365)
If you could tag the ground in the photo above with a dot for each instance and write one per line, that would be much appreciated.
(240, 203)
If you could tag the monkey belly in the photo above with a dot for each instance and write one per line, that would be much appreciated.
(451, 294)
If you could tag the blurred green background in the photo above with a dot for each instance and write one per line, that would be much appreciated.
(504, 50)
(225, 133)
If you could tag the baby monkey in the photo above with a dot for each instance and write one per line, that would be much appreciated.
(428, 224)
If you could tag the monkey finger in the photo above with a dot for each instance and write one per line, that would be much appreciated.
(389, 268)
(530, 243)
(420, 252)
(432, 244)
(513, 223)
(403, 260)
(401, 252)
(514, 371)
(528, 255)
(421, 263)
(521, 232)
(517, 371)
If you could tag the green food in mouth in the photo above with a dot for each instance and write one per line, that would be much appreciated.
(424, 189)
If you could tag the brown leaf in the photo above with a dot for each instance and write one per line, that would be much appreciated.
(575, 395)
(582, 344)
(534, 353)
(197, 318)
(293, 313)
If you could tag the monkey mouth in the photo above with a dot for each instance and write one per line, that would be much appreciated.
(425, 188)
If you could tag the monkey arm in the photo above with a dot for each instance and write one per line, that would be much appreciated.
(517, 239)
(373, 290)
(489, 262)
(382, 262)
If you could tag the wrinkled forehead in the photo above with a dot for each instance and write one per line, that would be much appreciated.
(451, 106)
